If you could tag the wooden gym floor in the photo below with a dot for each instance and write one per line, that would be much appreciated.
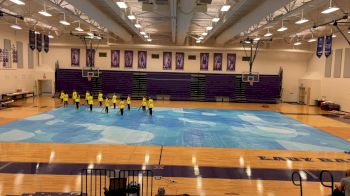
(273, 167)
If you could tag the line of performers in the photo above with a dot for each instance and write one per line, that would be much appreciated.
(89, 99)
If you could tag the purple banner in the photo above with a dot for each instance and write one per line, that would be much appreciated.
(328, 45)
(32, 40)
(142, 60)
(46, 43)
(90, 57)
(115, 57)
(14, 55)
(167, 60)
(180, 61)
(231, 62)
(39, 42)
(204, 61)
(75, 57)
(217, 61)
(320, 43)
(128, 58)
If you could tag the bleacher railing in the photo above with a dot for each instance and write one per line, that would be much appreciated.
(300, 183)
(99, 182)
(322, 175)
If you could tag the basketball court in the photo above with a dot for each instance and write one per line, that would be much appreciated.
(241, 97)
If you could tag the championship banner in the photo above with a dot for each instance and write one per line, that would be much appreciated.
(46, 43)
(142, 59)
(217, 61)
(115, 56)
(32, 40)
(39, 42)
(328, 46)
(204, 61)
(320, 43)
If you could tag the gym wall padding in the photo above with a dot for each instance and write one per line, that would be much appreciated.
(346, 73)
(328, 67)
(337, 63)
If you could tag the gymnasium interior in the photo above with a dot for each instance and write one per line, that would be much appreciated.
(174, 97)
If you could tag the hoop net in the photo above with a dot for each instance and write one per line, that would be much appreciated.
(89, 78)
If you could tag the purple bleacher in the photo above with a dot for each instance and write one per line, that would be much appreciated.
(266, 90)
(70, 80)
(176, 85)
(219, 85)
(117, 82)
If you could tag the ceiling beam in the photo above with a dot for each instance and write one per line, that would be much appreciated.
(184, 18)
(89, 9)
(255, 16)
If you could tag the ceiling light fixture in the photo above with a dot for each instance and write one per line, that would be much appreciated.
(132, 17)
(90, 33)
(122, 4)
(44, 12)
(137, 25)
(283, 28)
(297, 43)
(311, 40)
(200, 38)
(216, 19)
(146, 36)
(198, 41)
(16, 26)
(64, 22)
(209, 28)
(268, 34)
(51, 36)
(330, 9)
(302, 19)
(256, 39)
(225, 8)
(143, 33)
(37, 32)
(18, 2)
(78, 28)
(204, 33)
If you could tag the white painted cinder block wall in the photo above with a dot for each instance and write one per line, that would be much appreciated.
(294, 63)
(333, 89)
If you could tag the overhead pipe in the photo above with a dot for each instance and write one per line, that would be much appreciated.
(184, 18)
(173, 6)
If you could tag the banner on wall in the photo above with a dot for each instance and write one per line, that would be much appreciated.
(231, 62)
(328, 45)
(5, 57)
(217, 61)
(115, 58)
(75, 57)
(32, 40)
(128, 58)
(167, 60)
(180, 60)
(39, 42)
(14, 55)
(1, 55)
(46, 43)
(204, 61)
(320, 44)
(142, 60)
(90, 57)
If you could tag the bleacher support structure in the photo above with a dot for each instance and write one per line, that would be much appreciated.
(176, 86)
